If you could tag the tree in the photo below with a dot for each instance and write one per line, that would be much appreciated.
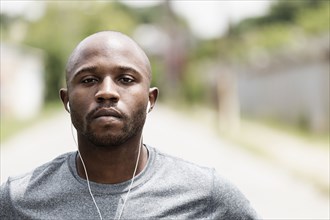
(67, 22)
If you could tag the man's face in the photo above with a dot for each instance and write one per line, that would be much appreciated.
(108, 90)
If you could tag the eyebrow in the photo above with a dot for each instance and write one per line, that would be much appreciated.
(93, 69)
(127, 69)
(133, 70)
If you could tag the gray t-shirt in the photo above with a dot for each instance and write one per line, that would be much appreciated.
(167, 188)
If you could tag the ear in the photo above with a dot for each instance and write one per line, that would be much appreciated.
(153, 94)
(65, 98)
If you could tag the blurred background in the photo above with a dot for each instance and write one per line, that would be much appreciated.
(244, 87)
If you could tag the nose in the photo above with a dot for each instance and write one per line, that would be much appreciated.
(107, 91)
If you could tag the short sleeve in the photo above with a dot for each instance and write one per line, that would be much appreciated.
(228, 202)
(5, 201)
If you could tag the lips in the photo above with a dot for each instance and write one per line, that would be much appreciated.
(107, 112)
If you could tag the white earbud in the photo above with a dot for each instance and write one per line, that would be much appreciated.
(68, 107)
(148, 107)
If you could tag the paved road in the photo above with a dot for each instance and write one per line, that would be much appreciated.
(273, 192)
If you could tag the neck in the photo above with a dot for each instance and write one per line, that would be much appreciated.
(111, 164)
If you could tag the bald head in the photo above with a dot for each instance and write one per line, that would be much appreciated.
(116, 45)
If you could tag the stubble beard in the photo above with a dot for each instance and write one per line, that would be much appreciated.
(132, 127)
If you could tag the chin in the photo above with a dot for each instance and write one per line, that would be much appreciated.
(107, 141)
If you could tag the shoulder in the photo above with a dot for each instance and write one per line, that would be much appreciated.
(19, 191)
(183, 176)
(19, 183)
(229, 202)
(183, 167)
(225, 200)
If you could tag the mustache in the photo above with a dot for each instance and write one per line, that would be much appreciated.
(105, 109)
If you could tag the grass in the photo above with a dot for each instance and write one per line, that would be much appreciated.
(11, 126)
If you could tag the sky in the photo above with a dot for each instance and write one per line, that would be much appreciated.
(210, 18)
(207, 19)
(31, 10)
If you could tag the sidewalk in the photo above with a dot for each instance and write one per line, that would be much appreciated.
(302, 158)
(305, 159)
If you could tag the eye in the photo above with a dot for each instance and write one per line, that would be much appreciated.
(89, 80)
(126, 80)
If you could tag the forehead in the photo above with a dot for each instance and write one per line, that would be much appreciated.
(110, 49)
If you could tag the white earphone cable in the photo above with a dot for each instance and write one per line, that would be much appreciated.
(87, 179)
(89, 187)
(130, 187)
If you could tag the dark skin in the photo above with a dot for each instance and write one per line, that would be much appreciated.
(108, 89)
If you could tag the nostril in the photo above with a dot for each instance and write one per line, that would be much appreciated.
(103, 95)
(100, 99)
(113, 99)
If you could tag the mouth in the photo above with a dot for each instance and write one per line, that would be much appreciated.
(107, 113)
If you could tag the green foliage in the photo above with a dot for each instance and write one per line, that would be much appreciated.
(288, 13)
(271, 37)
(278, 29)
(53, 75)
(5, 22)
(206, 49)
(194, 83)
(67, 22)
(284, 11)
(315, 20)
(157, 75)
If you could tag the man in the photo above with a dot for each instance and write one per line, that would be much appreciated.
(113, 175)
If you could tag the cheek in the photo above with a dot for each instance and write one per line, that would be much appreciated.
(134, 101)
(76, 120)
(80, 98)
(79, 104)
